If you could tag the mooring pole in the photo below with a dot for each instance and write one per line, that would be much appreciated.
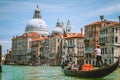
(0, 58)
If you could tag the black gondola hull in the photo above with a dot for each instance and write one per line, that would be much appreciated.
(96, 73)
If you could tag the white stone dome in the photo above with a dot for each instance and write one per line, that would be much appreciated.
(58, 30)
(37, 25)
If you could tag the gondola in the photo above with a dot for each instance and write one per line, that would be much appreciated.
(96, 73)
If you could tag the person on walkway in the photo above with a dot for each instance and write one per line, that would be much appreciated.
(98, 56)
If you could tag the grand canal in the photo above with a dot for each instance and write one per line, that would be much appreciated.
(10, 72)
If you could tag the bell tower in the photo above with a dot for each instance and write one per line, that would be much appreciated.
(68, 27)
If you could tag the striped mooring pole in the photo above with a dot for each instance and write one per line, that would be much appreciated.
(0, 58)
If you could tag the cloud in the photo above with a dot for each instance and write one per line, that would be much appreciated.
(24, 6)
(108, 10)
(5, 41)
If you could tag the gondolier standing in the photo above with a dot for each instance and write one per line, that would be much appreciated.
(98, 56)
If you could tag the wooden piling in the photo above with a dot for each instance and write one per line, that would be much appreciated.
(0, 58)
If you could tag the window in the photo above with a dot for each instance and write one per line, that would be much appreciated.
(112, 50)
(68, 50)
(105, 50)
(41, 49)
(58, 47)
(102, 50)
(103, 31)
(63, 47)
(106, 31)
(113, 30)
(116, 30)
(116, 39)
(112, 39)
(70, 42)
(68, 30)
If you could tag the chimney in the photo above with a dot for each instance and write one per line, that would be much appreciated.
(105, 22)
(102, 17)
(119, 20)
(102, 20)
(81, 30)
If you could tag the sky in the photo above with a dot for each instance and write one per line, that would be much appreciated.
(15, 15)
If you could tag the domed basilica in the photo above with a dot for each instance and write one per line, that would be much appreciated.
(29, 47)
(37, 24)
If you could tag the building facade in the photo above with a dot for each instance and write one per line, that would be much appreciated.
(21, 47)
(75, 47)
(35, 50)
(8, 57)
(24, 46)
(104, 33)
(44, 56)
(91, 40)
(109, 39)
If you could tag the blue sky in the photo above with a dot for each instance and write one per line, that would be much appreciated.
(15, 14)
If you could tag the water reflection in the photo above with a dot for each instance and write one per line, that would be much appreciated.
(43, 73)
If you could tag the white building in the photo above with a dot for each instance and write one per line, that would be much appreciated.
(21, 48)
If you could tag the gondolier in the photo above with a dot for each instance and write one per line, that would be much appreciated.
(98, 56)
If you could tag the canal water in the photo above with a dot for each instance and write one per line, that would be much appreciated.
(10, 72)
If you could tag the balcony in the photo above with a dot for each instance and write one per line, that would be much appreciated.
(102, 43)
(70, 46)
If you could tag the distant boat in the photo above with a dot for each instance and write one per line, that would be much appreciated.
(96, 73)
(46, 64)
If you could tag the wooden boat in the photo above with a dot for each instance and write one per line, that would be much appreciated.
(96, 73)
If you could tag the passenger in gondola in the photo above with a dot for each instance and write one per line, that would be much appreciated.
(106, 63)
(74, 66)
(67, 61)
(69, 66)
(64, 64)
(80, 66)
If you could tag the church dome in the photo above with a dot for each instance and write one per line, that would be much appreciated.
(58, 29)
(37, 24)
